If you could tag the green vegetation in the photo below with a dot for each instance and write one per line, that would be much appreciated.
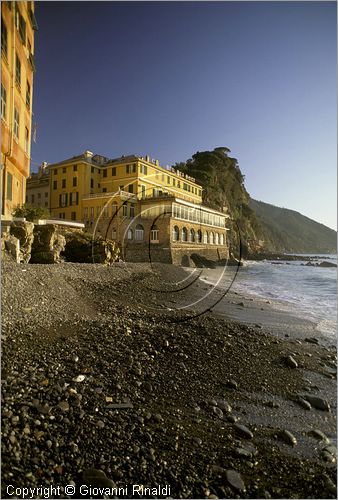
(31, 213)
(223, 189)
(259, 226)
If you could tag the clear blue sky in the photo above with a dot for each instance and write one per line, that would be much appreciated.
(171, 78)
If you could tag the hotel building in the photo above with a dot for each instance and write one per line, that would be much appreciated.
(153, 212)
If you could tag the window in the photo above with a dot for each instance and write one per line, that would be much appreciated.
(4, 46)
(205, 237)
(125, 210)
(39, 196)
(28, 95)
(139, 232)
(113, 171)
(131, 188)
(3, 102)
(176, 233)
(9, 186)
(73, 216)
(168, 179)
(113, 233)
(63, 185)
(105, 211)
(174, 182)
(130, 234)
(211, 241)
(131, 211)
(26, 140)
(104, 190)
(63, 170)
(92, 170)
(74, 181)
(63, 198)
(55, 171)
(74, 168)
(184, 234)
(46, 203)
(178, 184)
(55, 184)
(98, 210)
(192, 235)
(92, 183)
(199, 236)
(18, 70)
(33, 198)
(92, 213)
(143, 191)
(143, 169)
(114, 209)
(46, 194)
(154, 234)
(16, 123)
(221, 239)
(104, 173)
(22, 29)
(85, 214)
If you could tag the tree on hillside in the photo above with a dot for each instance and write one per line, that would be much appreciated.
(224, 190)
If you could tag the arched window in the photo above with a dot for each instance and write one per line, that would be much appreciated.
(139, 232)
(184, 234)
(205, 237)
(199, 236)
(211, 240)
(192, 235)
(114, 208)
(216, 239)
(113, 233)
(221, 239)
(130, 234)
(176, 233)
(154, 234)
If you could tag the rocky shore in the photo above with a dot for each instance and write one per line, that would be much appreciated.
(107, 382)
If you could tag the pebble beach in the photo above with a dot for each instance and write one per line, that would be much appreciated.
(108, 383)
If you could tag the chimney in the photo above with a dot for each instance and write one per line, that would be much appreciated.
(148, 158)
(157, 163)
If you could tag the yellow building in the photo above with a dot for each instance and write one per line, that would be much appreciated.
(143, 206)
(17, 67)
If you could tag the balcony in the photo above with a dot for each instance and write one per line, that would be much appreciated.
(121, 194)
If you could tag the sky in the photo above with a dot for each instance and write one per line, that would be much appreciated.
(169, 79)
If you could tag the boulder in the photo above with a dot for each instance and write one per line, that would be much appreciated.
(86, 248)
(47, 245)
(24, 232)
(12, 246)
(327, 264)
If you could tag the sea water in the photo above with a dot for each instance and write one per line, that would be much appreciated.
(305, 291)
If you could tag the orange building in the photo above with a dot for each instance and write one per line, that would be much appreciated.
(18, 25)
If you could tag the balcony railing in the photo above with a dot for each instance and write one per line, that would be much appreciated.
(122, 194)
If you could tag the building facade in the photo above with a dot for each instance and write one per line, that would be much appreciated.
(38, 189)
(18, 25)
(154, 213)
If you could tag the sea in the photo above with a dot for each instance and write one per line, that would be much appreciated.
(305, 291)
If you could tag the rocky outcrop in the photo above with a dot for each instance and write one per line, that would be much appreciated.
(24, 232)
(12, 247)
(47, 245)
(88, 249)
